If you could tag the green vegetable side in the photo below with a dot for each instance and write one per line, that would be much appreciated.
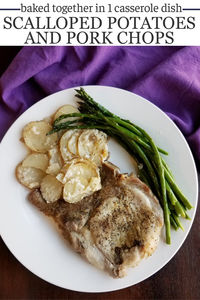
(155, 172)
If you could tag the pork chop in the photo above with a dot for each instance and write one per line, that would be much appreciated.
(114, 228)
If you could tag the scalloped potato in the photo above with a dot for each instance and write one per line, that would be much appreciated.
(73, 142)
(92, 144)
(55, 161)
(36, 160)
(64, 110)
(29, 177)
(64, 150)
(51, 189)
(80, 178)
(63, 165)
(36, 138)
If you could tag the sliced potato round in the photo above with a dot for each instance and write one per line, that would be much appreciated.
(36, 160)
(29, 177)
(61, 176)
(92, 144)
(54, 156)
(86, 143)
(55, 161)
(64, 110)
(75, 189)
(53, 169)
(101, 152)
(81, 178)
(36, 138)
(51, 189)
(73, 142)
(81, 169)
(64, 150)
(78, 167)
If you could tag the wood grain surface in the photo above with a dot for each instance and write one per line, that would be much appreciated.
(179, 279)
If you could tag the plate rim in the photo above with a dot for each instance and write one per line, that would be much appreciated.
(194, 208)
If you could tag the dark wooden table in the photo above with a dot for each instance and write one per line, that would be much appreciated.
(179, 279)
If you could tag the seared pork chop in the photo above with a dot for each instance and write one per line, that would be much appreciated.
(115, 227)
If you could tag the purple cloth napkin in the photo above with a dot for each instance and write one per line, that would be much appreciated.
(167, 76)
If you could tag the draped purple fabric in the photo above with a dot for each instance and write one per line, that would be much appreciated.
(167, 76)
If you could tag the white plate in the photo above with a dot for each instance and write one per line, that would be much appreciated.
(33, 238)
